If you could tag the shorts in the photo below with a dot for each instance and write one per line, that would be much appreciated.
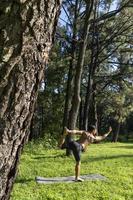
(76, 149)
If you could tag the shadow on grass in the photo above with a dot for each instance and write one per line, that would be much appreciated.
(95, 159)
(24, 180)
(124, 147)
(52, 156)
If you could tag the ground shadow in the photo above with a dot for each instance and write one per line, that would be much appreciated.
(52, 156)
(124, 147)
(24, 180)
(95, 159)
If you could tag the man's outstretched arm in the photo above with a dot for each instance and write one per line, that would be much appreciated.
(75, 132)
(100, 138)
(68, 132)
(72, 132)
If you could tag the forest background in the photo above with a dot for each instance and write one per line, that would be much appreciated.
(102, 71)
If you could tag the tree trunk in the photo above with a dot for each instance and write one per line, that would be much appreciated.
(69, 89)
(81, 115)
(93, 117)
(116, 133)
(79, 68)
(92, 68)
(26, 35)
(95, 114)
(31, 129)
(87, 102)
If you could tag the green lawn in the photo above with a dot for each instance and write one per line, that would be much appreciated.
(115, 161)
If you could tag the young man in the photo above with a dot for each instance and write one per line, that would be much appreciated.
(86, 137)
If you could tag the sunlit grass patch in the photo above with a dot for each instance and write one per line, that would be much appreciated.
(113, 160)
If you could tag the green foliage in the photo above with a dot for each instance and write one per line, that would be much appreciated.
(109, 50)
(48, 141)
(114, 161)
(117, 103)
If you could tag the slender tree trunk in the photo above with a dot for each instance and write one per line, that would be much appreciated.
(95, 114)
(26, 35)
(89, 86)
(69, 89)
(116, 133)
(81, 115)
(31, 129)
(93, 118)
(92, 67)
(87, 102)
(79, 68)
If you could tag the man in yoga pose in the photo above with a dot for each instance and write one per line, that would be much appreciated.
(86, 137)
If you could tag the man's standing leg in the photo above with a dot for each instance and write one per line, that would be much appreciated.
(77, 170)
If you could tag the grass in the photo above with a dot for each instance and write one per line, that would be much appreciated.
(113, 160)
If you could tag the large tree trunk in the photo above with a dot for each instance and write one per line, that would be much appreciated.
(26, 36)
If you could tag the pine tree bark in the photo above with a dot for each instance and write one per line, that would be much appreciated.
(26, 35)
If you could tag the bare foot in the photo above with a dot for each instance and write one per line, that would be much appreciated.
(79, 180)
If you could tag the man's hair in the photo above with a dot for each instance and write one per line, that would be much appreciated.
(91, 128)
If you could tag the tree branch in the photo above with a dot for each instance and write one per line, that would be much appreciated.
(67, 15)
(112, 13)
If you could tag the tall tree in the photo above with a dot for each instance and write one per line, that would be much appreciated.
(94, 45)
(79, 67)
(26, 35)
(103, 45)
(69, 89)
